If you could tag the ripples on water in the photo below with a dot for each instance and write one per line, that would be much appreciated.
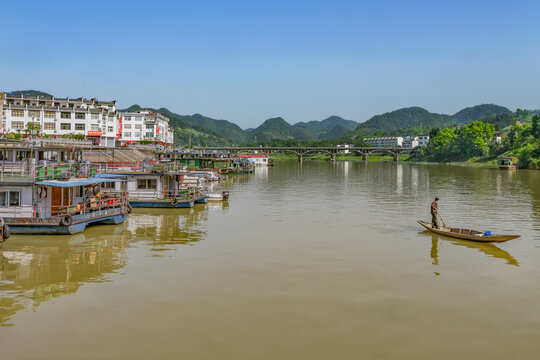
(318, 260)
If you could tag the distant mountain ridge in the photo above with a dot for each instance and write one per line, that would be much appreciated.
(201, 130)
(330, 128)
(418, 117)
(279, 129)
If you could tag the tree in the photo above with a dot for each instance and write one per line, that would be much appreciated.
(476, 138)
(535, 130)
(33, 128)
(442, 146)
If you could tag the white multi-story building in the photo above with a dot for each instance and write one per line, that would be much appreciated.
(96, 120)
(410, 142)
(423, 140)
(145, 125)
(390, 141)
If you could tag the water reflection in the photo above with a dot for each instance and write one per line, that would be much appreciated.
(167, 228)
(489, 249)
(35, 270)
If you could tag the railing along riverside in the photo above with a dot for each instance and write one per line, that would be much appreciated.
(145, 166)
(13, 170)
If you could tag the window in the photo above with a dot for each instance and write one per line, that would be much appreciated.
(108, 185)
(34, 114)
(127, 118)
(20, 155)
(138, 126)
(80, 127)
(111, 118)
(127, 126)
(65, 115)
(128, 134)
(17, 125)
(80, 116)
(10, 198)
(138, 135)
(65, 126)
(49, 126)
(150, 135)
(110, 129)
(50, 114)
(150, 126)
(14, 198)
(17, 113)
(144, 184)
(94, 127)
(95, 116)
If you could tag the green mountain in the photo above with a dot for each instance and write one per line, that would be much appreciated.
(279, 129)
(328, 124)
(411, 117)
(185, 133)
(477, 112)
(225, 128)
(334, 133)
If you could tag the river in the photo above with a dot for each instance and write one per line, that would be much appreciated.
(317, 260)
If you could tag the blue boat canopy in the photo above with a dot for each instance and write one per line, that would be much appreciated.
(76, 182)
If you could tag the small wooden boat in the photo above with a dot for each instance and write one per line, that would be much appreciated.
(467, 234)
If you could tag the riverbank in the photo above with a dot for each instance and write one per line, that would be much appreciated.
(473, 162)
(339, 157)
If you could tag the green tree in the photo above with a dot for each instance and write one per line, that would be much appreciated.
(33, 128)
(535, 130)
(476, 138)
(442, 146)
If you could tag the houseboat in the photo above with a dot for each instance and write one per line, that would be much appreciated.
(508, 163)
(59, 205)
(57, 196)
(256, 159)
(155, 185)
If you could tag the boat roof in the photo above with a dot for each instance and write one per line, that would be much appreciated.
(75, 182)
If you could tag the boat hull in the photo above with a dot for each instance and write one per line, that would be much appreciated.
(467, 234)
(202, 200)
(161, 204)
(56, 229)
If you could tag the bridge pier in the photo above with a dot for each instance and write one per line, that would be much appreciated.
(300, 157)
(364, 156)
(396, 155)
(333, 157)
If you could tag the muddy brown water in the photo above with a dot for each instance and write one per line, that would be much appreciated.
(313, 261)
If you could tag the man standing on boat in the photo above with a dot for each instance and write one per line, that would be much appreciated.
(435, 213)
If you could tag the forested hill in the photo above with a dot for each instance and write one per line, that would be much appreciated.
(184, 132)
(417, 116)
(279, 129)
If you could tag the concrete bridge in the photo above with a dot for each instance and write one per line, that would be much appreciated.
(300, 151)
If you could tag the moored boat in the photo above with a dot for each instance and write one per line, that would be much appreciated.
(507, 163)
(467, 234)
(224, 196)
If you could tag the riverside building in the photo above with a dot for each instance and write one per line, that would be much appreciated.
(390, 141)
(145, 126)
(60, 117)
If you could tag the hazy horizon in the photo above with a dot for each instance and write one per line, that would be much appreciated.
(246, 62)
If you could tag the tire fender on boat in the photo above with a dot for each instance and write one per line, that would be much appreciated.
(66, 220)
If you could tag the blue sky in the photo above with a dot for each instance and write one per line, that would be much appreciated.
(246, 61)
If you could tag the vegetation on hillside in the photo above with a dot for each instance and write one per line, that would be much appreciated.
(416, 117)
(476, 139)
